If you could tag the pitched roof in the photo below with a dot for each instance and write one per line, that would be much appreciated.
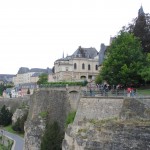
(85, 52)
(23, 70)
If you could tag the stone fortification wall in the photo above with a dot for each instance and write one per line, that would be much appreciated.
(98, 108)
(14, 103)
(53, 102)
(100, 123)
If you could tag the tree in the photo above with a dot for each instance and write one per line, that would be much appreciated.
(28, 92)
(19, 124)
(43, 78)
(2, 88)
(52, 137)
(5, 116)
(145, 71)
(140, 27)
(124, 60)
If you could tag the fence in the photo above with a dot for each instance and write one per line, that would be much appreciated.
(113, 93)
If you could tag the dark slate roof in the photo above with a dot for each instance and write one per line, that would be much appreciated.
(38, 70)
(65, 59)
(36, 74)
(23, 70)
(85, 52)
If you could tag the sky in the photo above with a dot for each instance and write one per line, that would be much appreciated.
(35, 33)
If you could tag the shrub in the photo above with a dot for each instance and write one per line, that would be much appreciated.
(19, 124)
(5, 116)
(70, 117)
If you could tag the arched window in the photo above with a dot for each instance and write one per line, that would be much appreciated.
(75, 66)
(89, 67)
(83, 66)
(96, 67)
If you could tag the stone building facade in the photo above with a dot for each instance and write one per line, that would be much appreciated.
(82, 64)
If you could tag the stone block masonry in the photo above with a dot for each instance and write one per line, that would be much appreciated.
(98, 108)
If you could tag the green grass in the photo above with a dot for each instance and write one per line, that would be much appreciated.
(70, 117)
(43, 114)
(143, 91)
(2, 147)
(9, 129)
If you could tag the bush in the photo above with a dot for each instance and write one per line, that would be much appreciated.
(5, 116)
(70, 117)
(19, 125)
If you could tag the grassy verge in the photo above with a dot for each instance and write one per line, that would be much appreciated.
(70, 117)
(9, 129)
(143, 91)
(2, 147)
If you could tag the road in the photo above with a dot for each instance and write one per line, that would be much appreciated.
(18, 141)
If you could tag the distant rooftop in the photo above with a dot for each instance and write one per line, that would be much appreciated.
(23, 70)
(85, 52)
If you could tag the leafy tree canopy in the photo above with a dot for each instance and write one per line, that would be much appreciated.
(145, 72)
(124, 60)
(43, 78)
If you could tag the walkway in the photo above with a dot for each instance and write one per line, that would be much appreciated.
(18, 141)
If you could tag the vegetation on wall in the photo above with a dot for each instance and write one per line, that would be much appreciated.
(52, 138)
(63, 84)
(19, 124)
(70, 117)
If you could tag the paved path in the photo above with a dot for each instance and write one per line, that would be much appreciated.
(18, 141)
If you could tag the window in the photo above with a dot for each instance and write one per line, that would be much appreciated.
(89, 67)
(96, 67)
(83, 66)
(75, 66)
(66, 68)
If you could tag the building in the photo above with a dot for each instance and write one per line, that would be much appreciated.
(82, 64)
(6, 79)
(26, 75)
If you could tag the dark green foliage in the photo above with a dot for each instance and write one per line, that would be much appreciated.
(2, 88)
(43, 79)
(63, 84)
(70, 117)
(145, 71)
(52, 138)
(140, 27)
(19, 125)
(5, 116)
(28, 92)
(124, 61)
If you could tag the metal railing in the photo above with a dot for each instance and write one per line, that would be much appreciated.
(113, 93)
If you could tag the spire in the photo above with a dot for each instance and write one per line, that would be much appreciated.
(141, 12)
(63, 55)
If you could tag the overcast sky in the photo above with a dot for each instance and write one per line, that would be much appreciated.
(34, 33)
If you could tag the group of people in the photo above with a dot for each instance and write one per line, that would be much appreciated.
(131, 92)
